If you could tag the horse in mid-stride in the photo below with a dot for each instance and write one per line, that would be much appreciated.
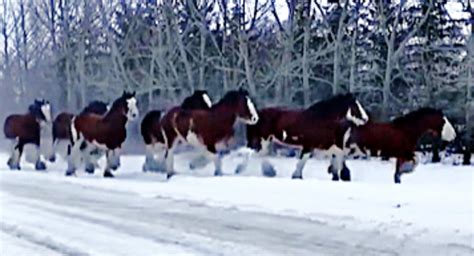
(322, 126)
(398, 138)
(25, 129)
(62, 127)
(207, 129)
(153, 127)
(92, 132)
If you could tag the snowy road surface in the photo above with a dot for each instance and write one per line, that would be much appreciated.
(139, 214)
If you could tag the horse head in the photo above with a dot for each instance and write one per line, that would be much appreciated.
(242, 104)
(355, 112)
(127, 105)
(198, 100)
(430, 120)
(41, 110)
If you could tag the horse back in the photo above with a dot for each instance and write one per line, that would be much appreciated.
(94, 128)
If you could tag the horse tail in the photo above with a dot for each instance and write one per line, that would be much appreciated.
(8, 129)
(146, 127)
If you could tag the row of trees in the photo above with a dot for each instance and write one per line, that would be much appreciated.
(395, 55)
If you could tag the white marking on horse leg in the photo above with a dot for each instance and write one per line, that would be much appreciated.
(337, 160)
(14, 155)
(253, 112)
(74, 157)
(265, 151)
(207, 100)
(448, 133)
(284, 135)
(298, 173)
(46, 140)
(193, 139)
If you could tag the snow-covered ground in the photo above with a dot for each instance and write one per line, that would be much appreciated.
(430, 213)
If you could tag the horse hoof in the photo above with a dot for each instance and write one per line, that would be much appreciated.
(268, 170)
(52, 159)
(335, 178)
(169, 175)
(70, 173)
(297, 176)
(108, 174)
(217, 173)
(345, 175)
(90, 170)
(40, 166)
(240, 168)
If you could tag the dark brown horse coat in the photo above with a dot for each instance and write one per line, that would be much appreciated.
(26, 129)
(399, 138)
(206, 128)
(107, 132)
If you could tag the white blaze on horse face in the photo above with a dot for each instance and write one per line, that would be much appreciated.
(132, 113)
(354, 119)
(253, 112)
(362, 111)
(46, 109)
(448, 133)
(207, 100)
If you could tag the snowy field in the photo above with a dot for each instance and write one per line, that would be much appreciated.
(45, 213)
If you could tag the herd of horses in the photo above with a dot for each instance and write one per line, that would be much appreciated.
(338, 126)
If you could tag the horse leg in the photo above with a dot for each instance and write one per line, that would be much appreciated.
(39, 164)
(337, 162)
(74, 157)
(110, 154)
(345, 172)
(150, 162)
(304, 156)
(169, 161)
(89, 161)
(14, 160)
(114, 159)
(397, 174)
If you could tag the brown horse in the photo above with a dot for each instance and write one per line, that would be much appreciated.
(26, 129)
(260, 136)
(205, 129)
(92, 132)
(62, 128)
(398, 138)
(321, 126)
(62, 123)
(152, 126)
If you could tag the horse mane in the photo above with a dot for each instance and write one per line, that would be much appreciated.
(195, 101)
(95, 107)
(415, 116)
(231, 97)
(329, 107)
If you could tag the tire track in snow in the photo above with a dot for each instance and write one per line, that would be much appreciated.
(40, 240)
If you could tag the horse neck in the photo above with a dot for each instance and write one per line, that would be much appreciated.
(226, 113)
(416, 129)
(115, 117)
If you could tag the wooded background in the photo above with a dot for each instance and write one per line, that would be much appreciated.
(395, 56)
